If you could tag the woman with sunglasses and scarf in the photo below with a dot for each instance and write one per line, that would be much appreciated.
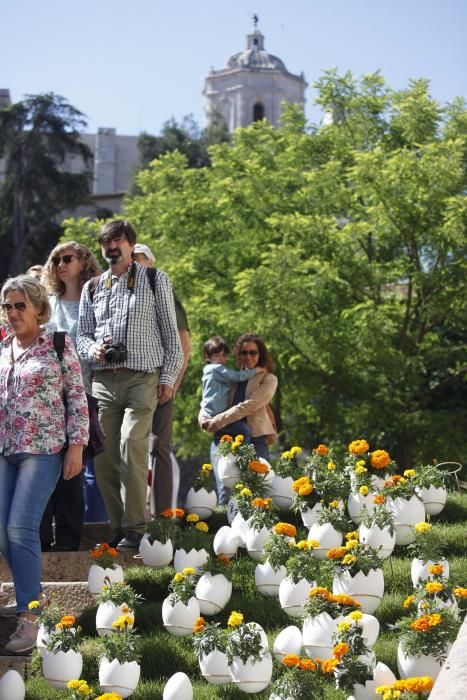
(249, 400)
(68, 267)
(43, 426)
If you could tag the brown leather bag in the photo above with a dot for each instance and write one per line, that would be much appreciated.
(271, 439)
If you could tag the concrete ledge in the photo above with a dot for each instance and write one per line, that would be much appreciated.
(72, 597)
(68, 566)
(451, 683)
(15, 663)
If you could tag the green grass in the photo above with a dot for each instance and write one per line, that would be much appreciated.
(163, 655)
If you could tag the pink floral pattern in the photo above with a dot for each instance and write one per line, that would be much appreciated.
(33, 394)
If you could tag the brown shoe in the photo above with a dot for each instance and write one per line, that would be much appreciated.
(24, 638)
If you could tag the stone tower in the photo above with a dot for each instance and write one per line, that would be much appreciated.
(252, 86)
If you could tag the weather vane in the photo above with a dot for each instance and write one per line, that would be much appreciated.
(255, 19)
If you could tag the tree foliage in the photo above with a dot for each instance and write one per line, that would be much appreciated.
(345, 248)
(36, 136)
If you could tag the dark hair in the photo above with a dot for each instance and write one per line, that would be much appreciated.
(214, 345)
(115, 229)
(264, 360)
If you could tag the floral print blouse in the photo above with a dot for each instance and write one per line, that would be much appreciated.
(42, 401)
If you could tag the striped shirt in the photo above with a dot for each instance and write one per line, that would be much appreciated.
(151, 337)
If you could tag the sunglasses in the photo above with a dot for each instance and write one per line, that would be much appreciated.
(57, 259)
(18, 305)
(252, 353)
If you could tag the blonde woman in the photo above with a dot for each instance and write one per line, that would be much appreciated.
(68, 267)
(43, 427)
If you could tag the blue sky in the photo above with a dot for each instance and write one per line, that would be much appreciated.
(133, 65)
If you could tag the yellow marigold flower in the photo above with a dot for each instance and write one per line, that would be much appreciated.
(319, 592)
(422, 527)
(340, 650)
(72, 685)
(313, 544)
(207, 467)
(355, 615)
(408, 601)
(331, 465)
(434, 620)
(360, 463)
(288, 454)
(305, 490)
(349, 559)
(343, 626)
(382, 689)
(460, 592)
(434, 587)
(109, 696)
(246, 492)
(321, 450)
(352, 535)
(235, 445)
(235, 619)
(379, 459)
(296, 450)
(188, 571)
(303, 545)
(238, 487)
(285, 529)
(351, 544)
(123, 621)
(363, 490)
(402, 480)
(358, 447)
(178, 578)
(436, 569)
(360, 470)
(202, 526)
(409, 473)
(291, 660)
(192, 518)
(334, 504)
(298, 483)
(418, 684)
(239, 438)
(199, 625)
(33, 605)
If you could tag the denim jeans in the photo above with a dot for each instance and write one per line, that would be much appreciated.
(26, 483)
(223, 493)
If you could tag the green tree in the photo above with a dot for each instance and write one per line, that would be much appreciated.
(36, 136)
(345, 248)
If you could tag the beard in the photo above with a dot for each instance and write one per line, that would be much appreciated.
(113, 256)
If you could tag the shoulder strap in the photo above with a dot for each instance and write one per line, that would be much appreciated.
(151, 273)
(93, 282)
(59, 343)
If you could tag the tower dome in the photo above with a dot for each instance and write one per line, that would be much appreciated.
(253, 85)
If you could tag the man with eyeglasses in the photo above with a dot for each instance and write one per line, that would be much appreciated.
(129, 333)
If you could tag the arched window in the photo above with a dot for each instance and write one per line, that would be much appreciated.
(258, 111)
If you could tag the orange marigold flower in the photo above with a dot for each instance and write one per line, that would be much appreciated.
(336, 553)
(378, 500)
(307, 665)
(419, 684)
(67, 621)
(112, 552)
(421, 625)
(460, 592)
(258, 467)
(226, 438)
(167, 513)
(285, 529)
(305, 490)
(298, 483)
(436, 569)
(291, 660)
(95, 553)
(179, 512)
(340, 650)
(321, 450)
(396, 478)
(199, 625)
(379, 459)
(358, 447)
(319, 591)
(347, 600)
(329, 665)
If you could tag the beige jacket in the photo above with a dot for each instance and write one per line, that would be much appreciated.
(259, 391)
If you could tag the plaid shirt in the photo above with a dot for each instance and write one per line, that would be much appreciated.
(151, 338)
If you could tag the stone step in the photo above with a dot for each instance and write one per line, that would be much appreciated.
(69, 566)
(71, 596)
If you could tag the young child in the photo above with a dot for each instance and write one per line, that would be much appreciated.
(216, 384)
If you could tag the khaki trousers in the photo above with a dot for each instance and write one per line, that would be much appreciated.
(127, 401)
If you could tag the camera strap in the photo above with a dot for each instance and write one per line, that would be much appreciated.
(131, 283)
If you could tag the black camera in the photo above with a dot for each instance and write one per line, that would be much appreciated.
(114, 352)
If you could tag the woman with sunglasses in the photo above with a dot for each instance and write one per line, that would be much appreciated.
(68, 267)
(43, 426)
(249, 400)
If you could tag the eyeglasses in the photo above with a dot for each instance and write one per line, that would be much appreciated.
(18, 305)
(57, 259)
(252, 353)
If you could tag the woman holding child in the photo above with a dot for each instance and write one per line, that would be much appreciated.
(249, 401)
